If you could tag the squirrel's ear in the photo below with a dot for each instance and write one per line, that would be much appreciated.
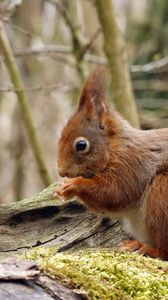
(92, 99)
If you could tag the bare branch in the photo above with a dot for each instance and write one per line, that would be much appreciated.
(95, 59)
(51, 51)
(158, 66)
(16, 27)
(139, 85)
(47, 88)
(88, 46)
(44, 51)
(76, 38)
(66, 16)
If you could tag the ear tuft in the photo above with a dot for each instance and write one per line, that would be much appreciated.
(94, 90)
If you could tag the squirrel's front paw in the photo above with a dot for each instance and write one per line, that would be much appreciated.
(68, 189)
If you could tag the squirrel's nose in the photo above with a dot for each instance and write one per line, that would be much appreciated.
(62, 172)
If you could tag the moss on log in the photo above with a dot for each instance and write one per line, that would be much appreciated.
(104, 274)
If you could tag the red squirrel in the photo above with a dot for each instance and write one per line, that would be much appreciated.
(116, 169)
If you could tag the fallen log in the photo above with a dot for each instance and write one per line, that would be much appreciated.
(44, 220)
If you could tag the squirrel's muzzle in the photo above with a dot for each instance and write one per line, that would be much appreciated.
(62, 172)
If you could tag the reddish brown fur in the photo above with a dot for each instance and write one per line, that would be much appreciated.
(157, 210)
(129, 167)
(134, 245)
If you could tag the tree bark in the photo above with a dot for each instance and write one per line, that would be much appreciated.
(115, 50)
(20, 279)
(44, 220)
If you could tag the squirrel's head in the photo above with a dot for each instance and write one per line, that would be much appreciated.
(83, 149)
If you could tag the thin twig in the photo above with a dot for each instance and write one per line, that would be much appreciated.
(158, 66)
(77, 45)
(50, 51)
(65, 15)
(16, 27)
(138, 85)
(88, 46)
(48, 88)
(95, 59)
(27, 116)
(44, 50)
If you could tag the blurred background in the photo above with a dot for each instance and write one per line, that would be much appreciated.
(42, 39)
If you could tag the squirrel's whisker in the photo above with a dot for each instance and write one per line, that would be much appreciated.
(99, 176)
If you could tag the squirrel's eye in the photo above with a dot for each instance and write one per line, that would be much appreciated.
(81, 145)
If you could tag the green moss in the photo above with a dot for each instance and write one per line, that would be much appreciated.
(106, 274)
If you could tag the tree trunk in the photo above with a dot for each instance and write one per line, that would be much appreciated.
(115, 50)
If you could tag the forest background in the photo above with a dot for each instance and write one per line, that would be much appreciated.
(53, 67)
